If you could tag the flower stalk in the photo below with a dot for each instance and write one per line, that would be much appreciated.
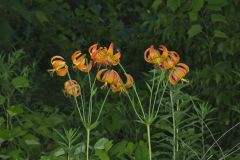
(88, 140)
(149, 142)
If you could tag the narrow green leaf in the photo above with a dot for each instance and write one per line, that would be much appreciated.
(100, 144)
(218, 18)
(173, 4)
(156, 4)
(108, 146)
(194, 30)
(1, 120)
(197, 5)
(216, 4)
(2, 99)
(220, 34)
(193, 16)
(102, 155)
(94, 91)
(31, 142)
(15, 110)
(141, 151)
(94, 125)
(80, 149)
(20, 82)
(119, 148)
(59, 152)
(148, 86)
(41, 16)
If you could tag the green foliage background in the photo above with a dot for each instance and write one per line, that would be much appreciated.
(206, 33)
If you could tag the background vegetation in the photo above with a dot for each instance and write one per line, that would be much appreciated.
(205, 33)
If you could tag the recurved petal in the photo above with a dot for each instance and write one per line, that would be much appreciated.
(172, 78)
(164, 54)
(110, 49)
(54, 58)
(178, 72)
(146, 54)
(62, 71)
(93, 48)
(163, 48)
(184, 66)
(99, 74)
(174, 56)
(75, 57)
(117, 55)
(129, 82)
(85, 67)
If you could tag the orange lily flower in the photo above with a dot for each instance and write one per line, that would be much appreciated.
(79, 60)
(120, 86)
(71, 88)
(113, 59)
(172, 59)
(177, 73)
(108, 77)
(102, 55)
(98, 55)
(153, 56)
(59, 66)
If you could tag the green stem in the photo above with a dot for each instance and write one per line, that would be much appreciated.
(174, 127)
(90, 100)
(177, 130)
(6, 114)
(134, 108)
(135, 90)
(149, 142)
(102, 105)
(75, 98)
(156, 94)
(151, 93)
(88, 139)
(160, 102)
(68, 156)
(91, 85)
(9, 118)
(202, 130)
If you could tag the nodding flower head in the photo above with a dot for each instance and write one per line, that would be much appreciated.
(178, 73)
(122, 87)
(72, 88)
(111, 79)
(59, 66)
(153, 56)
(103, 55)
(108, 76)
(81, 62)
(172, 59)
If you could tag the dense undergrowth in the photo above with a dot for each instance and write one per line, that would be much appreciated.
(197, 120)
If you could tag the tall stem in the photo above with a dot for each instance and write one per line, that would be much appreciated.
(149, 142)
(135, 90)
(133, 105)
(160, 102)
(88, 139)
(90, 99)
(202, 130)
(151, 93)
(99, 114)
(174, 127)
(177, 130)
(75, 98)
(68, 156)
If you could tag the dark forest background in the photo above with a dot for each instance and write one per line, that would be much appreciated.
(206, 33)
